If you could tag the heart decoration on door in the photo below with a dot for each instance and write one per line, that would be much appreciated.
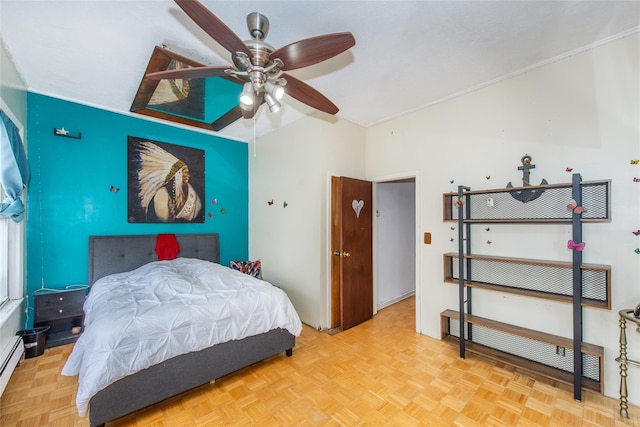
(357, 206)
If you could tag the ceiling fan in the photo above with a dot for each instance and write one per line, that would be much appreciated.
(258, 65)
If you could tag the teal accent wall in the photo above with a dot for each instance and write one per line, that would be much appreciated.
(69, 197)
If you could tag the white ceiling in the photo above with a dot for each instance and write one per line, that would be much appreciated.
(408, 54)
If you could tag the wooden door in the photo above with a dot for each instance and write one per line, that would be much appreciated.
(351, 252)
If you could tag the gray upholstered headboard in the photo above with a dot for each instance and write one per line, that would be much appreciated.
(117, 254)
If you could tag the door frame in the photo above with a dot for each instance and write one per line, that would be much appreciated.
(415, 175)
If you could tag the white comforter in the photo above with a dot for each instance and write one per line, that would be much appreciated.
(166, 308)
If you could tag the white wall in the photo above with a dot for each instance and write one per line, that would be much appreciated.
(12, 89)
(582, 112)
(293, 165)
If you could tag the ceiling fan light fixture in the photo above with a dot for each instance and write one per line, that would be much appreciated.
(246, 97)
(275, 90)
(271, 102)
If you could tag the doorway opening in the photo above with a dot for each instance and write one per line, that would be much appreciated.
(395, 241)
(394, 247)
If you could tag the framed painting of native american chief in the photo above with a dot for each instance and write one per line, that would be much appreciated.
(165, 182)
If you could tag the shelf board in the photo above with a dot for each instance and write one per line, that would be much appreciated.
(526, 365)
(531, 187)
(450, 260)
(525, 221)
(520, 362)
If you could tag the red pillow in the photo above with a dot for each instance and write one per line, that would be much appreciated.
(167, 247)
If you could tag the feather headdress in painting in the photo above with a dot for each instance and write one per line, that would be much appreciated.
(157, 168)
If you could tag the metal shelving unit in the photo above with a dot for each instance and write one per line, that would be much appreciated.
(589, 283)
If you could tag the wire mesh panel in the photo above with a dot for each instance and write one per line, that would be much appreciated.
(542, 352)
(550, 278)
(552, 205)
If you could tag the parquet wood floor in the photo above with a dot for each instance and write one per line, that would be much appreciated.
(380, 373)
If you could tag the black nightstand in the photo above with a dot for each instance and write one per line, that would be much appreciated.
(61, 311)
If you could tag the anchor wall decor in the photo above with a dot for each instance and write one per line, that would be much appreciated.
(526, 195)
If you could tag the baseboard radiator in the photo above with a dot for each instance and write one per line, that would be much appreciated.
(10, 358)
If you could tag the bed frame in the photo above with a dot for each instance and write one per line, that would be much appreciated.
(117, 254)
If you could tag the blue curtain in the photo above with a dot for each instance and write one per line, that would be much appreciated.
(14, 169)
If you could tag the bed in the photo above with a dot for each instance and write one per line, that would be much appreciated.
(110, 255)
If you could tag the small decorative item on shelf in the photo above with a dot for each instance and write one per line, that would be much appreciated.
(63, 132)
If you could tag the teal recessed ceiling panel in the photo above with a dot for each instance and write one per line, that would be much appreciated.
(202, 100)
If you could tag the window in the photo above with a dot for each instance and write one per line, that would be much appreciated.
(11, 258)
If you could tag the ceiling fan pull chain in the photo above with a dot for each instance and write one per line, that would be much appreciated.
(254, 137)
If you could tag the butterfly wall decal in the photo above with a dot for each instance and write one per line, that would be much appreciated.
(451, 181)
(114, 189)
(636, 179)
(488, 177)
(451, 239)
(636, 233)
(285, 204)
(569, 169)
(223, 211)
(487, 229)
(270, 202)
(576, 246)
(489, 242)
(635, 162)
(637, 250)
(573, 206)
(210, 215)
(214, 201)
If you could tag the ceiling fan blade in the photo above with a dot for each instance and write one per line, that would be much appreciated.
(213, 26)
(308, 95)
(313, 50)
(189, 73)
(227, 118)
